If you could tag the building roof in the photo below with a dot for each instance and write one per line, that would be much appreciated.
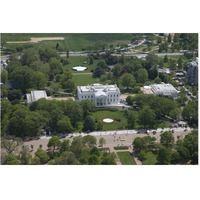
(96, 87)
(38, 94)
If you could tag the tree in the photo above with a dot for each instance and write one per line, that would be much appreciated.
(175, 157)
(87, 106)
(35, 161)
(54, 143)
(190, 112)
(4, 76)
(89, 140)
(169, 38)
(163, 156)
(66, 158)
(14, 94)
(147, 117)
(157, 80)
(32, 124)
(4, 91)
(102, 64)
(99, 126)
(117, 70)
(47, 53)
(131, 119)
(184, 153)
(108, 159)
(167, 139)
(64, 125)
(76, 146)
(95, 151)
(42, 155)
(24, 76)
(89, 123)
(56, 66)
(153, 73)
(24, 155)
(98, 72)
(139, 144)
(57, 45)
(73, 110)
(11, 144)
(128, 80)
(10, 159)
(65, 146)
(141, 155)
(91, 60)
(142, 76)
(39, 80)
(70, 86)
(165, 59)
(102, 141)
(93, 160)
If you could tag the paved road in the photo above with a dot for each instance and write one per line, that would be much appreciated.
(139, 55)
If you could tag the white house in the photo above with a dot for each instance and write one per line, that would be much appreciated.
(36, 95)
(100, 95)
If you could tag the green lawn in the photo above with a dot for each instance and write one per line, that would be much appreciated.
(79, 60)
(126, 158)
(150, 159)
(85, 80)
(117, 115)
(73, 41)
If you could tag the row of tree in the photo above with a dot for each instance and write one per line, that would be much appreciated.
(81, 151)
(168, 152)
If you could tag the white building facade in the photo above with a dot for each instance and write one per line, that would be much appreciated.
(100, 95)
(164, 90)
(36, 95)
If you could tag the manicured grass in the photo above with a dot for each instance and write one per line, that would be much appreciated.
(73, 41)
(79, 60)
(117, 115)
(126, 158)
(150, 159)
(85, 80)
(121, 148)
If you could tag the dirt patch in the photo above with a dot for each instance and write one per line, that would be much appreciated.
(37, 39)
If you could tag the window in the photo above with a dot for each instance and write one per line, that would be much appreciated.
(91, 96)
(117, 95)
(111, 95)
(82, 97)
(88, 96)
(114, 95)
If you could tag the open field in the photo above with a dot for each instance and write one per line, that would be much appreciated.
(72, 41)
(85, 80)
(126, 158)
(79, 60)
(150, 159)
(119, 123)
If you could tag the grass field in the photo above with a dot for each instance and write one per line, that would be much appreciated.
(150, 159)
(117, 115)
(79, 60)
(126, 158)
(73, 41)
(85, 80)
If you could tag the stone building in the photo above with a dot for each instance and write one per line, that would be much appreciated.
(192, 73)
(100, 95)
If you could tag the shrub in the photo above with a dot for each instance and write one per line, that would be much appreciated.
(121, 148)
